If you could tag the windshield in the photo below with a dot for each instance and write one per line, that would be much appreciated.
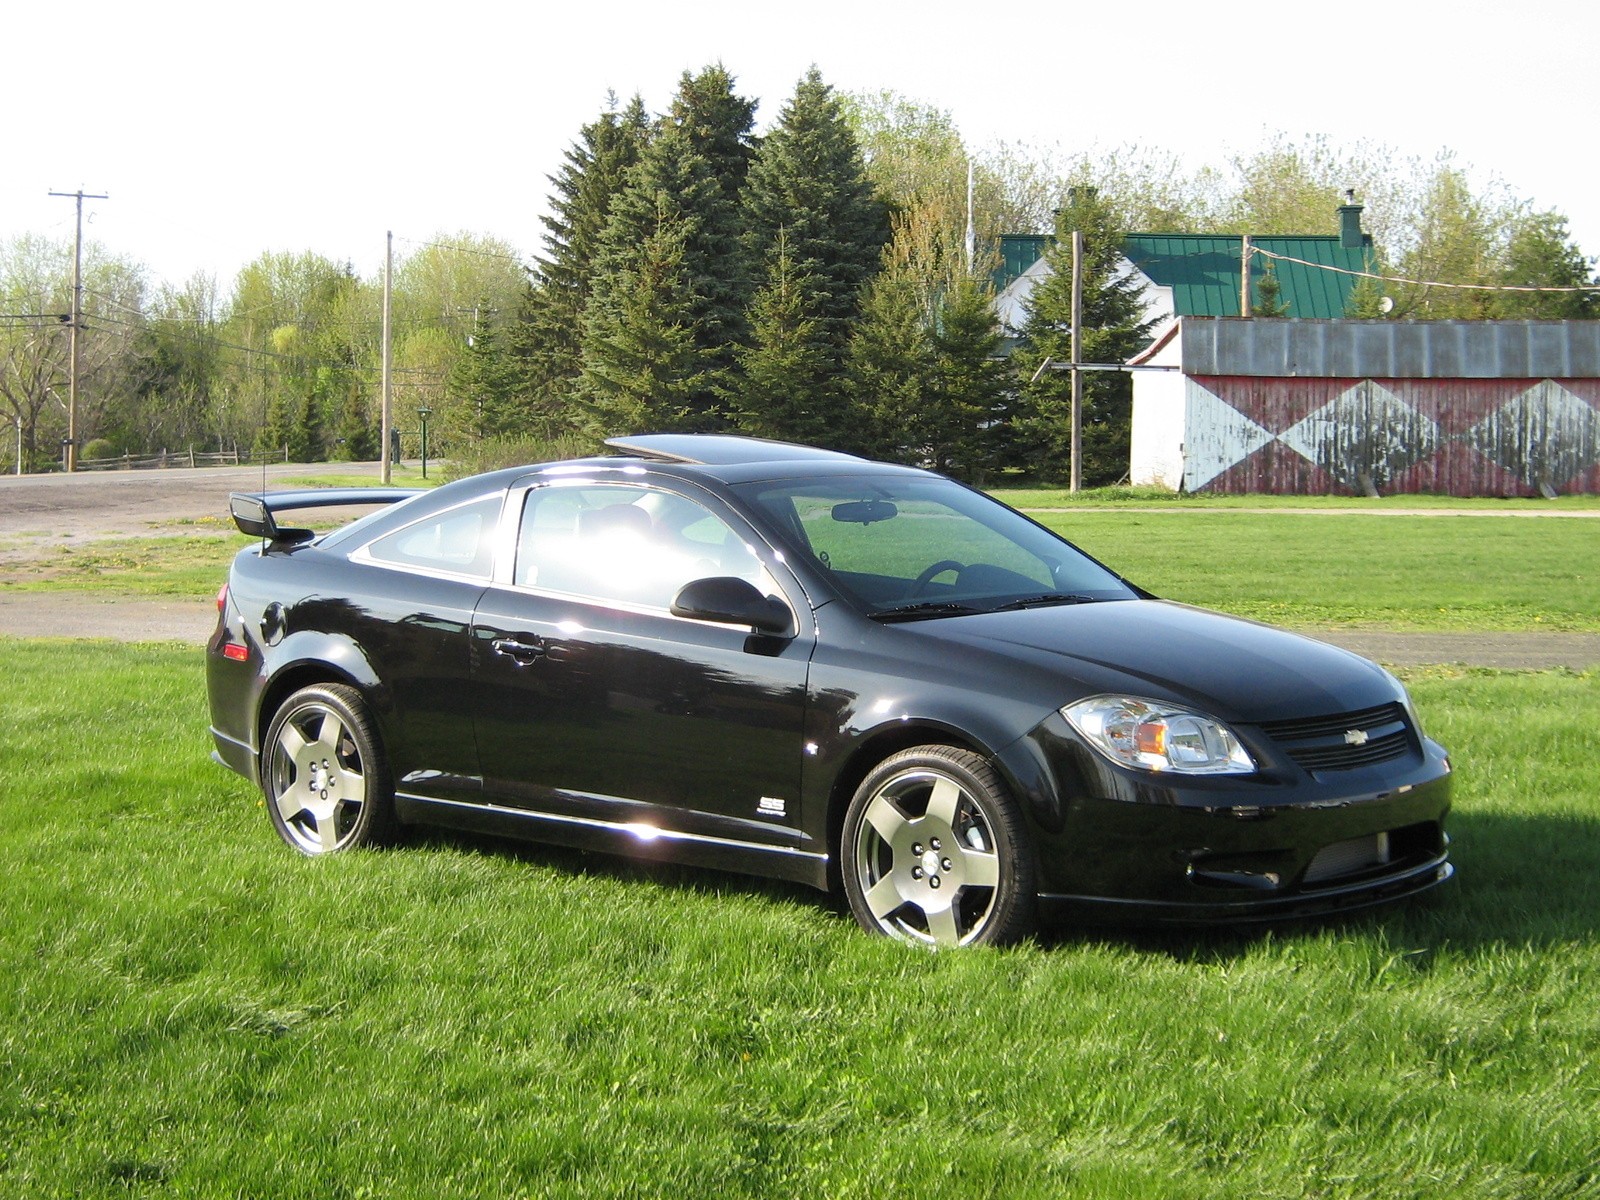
(906, 547)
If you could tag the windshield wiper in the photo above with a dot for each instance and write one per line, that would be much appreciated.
(1043, 600)
(923, 610)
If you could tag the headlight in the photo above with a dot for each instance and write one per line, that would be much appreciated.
(1158, 737)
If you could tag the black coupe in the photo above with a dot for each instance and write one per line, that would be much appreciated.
(775, 659)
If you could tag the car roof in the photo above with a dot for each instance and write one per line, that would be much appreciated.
(722, 450)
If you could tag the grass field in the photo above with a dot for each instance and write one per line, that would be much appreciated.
(1324, 567)
(1320, 570)
(189, 1009)
(1160, 498)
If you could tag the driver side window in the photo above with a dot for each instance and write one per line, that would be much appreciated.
(625, 545)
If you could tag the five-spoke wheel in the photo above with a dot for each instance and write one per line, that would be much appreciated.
(326, 783)
(933, 851)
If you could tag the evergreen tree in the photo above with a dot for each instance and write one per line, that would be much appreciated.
(809, 182)
(791, 389)
(718, 124)
(671, 190)
(715, 124)
(546, 340)
(482, 398)
(963, 422)
(358, 433)
(642, 369)
(1269, 301)
(1365, 301)
(888, 366)
(1113, 330)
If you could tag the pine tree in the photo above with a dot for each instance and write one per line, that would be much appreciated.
(642, 369)
(887, 367)
(809, 182)
(1113, 330)
(718, 124)
(1269, 301)
(1365, 301)
(482, 394)
(671, 189)
(791, 390)
(715, 123)
(964, 420)
(546, 338)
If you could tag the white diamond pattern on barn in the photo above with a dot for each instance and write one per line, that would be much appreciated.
(1216, 436)
(1365, 430)
(1545, 435)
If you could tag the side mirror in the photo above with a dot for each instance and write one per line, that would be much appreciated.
(728, 600)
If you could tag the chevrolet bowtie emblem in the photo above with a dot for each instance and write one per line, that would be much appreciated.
(1355, 737)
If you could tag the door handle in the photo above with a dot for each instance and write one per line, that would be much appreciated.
(520, 652)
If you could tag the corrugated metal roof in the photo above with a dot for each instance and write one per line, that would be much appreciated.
(1393, 349)
(1018, 252)
(1203, 271)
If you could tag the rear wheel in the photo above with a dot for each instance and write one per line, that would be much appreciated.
(326, 782)
(934, 852)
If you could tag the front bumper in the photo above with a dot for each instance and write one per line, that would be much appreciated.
(1322, 902)
(1284, 843)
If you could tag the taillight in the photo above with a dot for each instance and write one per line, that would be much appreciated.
(222, 597)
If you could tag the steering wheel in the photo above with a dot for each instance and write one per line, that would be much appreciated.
(938, 568)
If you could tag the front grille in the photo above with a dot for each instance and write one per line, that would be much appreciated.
(1345, 741)
(1348, 858)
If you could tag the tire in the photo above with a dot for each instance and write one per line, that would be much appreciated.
(934, 852)
(326, 781)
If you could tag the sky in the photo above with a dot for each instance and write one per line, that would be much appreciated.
(219, 131)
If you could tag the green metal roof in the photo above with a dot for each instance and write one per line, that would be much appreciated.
(1203, 271)
(1018, 252)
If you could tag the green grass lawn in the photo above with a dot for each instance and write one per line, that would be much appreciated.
(1319, 569)
(189, 1009)
(1323, 570)
(192, 566)
(1160, 498)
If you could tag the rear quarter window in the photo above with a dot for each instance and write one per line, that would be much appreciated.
(458, 540)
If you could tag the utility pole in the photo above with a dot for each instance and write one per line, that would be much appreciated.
(1077, 357)
(388, 416)
(1245, 253)
(77, 324)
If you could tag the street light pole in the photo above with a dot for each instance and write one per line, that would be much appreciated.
(424, 413)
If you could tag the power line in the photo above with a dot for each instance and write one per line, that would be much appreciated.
(465, 250)
(1475, 287)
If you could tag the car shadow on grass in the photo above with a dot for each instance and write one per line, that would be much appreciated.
(622, 868)
(1521, 882)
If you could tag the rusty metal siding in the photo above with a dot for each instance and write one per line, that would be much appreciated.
(1392, 349)
(1460, 437)
(1466, 408)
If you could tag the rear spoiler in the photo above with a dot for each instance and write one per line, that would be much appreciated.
(253, 511)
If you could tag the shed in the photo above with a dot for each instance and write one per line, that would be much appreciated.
(1464, 408)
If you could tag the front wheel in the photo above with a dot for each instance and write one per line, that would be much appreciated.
(934, 852)
(326, 782)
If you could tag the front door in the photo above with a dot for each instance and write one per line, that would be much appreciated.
(595, 703)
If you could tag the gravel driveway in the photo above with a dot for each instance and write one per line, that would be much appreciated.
(41, 512)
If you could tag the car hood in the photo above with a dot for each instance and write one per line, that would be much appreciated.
(1238, 670)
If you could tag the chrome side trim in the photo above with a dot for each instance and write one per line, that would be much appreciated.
(640, 830)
